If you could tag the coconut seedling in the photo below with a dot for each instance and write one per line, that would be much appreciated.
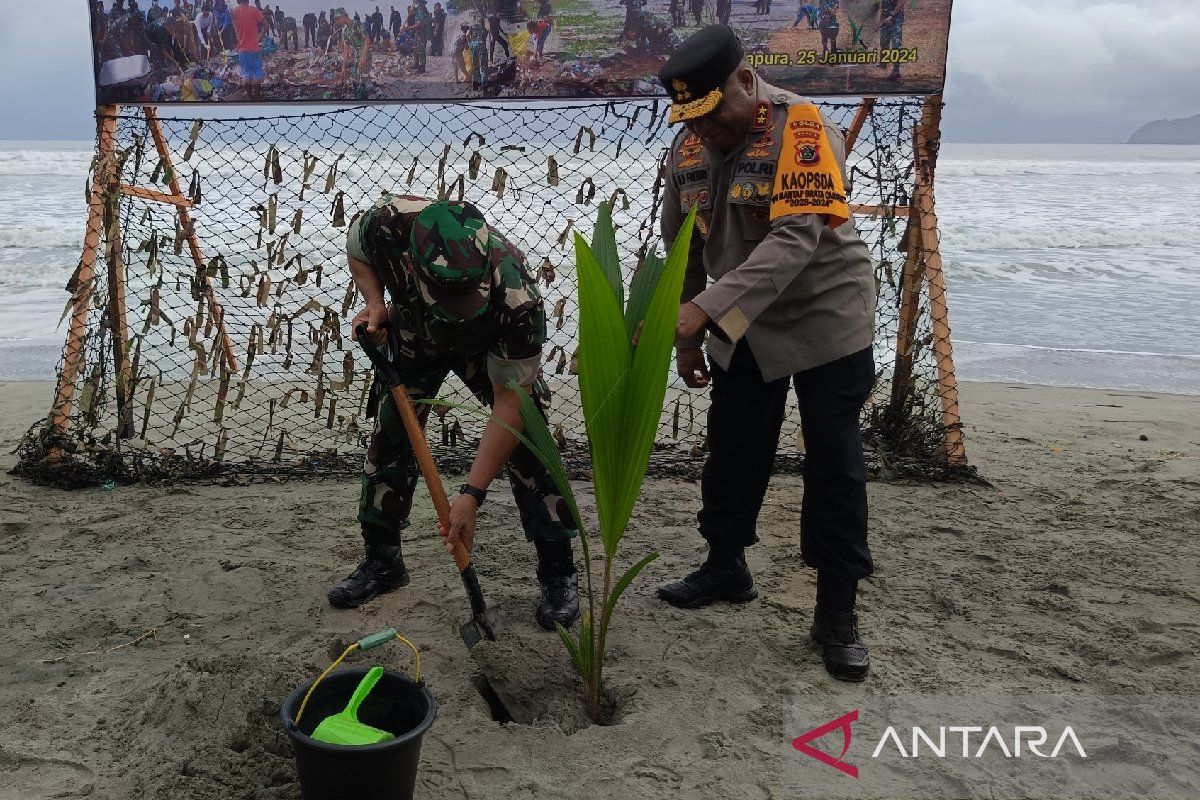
(624, 359)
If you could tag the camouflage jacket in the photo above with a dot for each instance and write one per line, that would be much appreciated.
(511, 330)
(423, 21)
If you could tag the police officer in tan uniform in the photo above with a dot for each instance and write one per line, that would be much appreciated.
(784, 288)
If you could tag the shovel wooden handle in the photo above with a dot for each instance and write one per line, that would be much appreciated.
(433, 480)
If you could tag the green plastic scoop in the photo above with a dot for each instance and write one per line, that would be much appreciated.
(344, 727)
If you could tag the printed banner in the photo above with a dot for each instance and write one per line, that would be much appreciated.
(296, 51)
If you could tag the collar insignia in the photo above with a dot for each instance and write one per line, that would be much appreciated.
(762, 115)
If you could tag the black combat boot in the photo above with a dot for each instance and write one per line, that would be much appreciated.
(380, 572)
(559, 601)
(723, 576)
(835, 629)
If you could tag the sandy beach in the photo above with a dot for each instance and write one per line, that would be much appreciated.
(1074, 574)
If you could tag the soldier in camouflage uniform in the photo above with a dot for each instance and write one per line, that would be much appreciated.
(462, 300)
(421, 27)
(479, 55)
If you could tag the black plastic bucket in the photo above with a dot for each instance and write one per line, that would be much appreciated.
(386, 771)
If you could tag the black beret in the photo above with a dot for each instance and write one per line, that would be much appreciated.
(696, 71)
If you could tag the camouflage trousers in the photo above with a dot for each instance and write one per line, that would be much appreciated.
(420, 47)
(479, 63)
(390, 474)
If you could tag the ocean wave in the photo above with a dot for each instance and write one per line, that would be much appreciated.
(1003, 168)
(66, 234)
(1090, 350)
(61, 163)
(985, 235)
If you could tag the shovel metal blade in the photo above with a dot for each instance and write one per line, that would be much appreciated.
(478, 628)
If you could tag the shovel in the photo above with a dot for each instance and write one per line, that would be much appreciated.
(480, 626)
(344, 727)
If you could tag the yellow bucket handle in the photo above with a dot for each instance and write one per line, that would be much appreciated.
(365, 643)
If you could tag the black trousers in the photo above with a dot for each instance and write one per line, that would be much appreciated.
(744, 422)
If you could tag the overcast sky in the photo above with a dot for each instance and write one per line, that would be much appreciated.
(1020, 70)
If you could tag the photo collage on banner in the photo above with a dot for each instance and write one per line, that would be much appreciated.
(296, 51)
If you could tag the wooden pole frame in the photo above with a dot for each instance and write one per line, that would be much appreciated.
(84, 281)
(943, 349)
(182, 206)
(923, 267)
(103, 230)
(856, 125)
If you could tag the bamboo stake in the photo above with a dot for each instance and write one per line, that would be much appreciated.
(117, 316)
(911, 277)
(106, 136)
(856, 125)
(158, 197)
(188, 228)
(943, 349)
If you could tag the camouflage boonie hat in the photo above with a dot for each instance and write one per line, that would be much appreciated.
(449, 248)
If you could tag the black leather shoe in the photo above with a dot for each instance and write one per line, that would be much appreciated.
(380, 572)
(710, 584)
(559, 582)
(842, 648)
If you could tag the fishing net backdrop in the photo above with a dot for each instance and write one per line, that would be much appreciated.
(207, 331)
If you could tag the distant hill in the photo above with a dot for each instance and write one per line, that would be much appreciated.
(1168, 131)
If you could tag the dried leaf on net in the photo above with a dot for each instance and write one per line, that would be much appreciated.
(148, 406)
(280, 245)
(612, 200)
(441, 170)
(587, 190)
(222, 395)
(194, 193)
(562, 237)
(264, 290)
(546, 272)
(474, 165)
(552, 178)
(319, 396)
(310, 166)
(412, 172)
(499, 181)
(339, 210)
(460, 188)
(331, 175)
(579, 139)
(296, 220)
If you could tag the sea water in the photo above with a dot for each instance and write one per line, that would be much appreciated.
(1068, 265)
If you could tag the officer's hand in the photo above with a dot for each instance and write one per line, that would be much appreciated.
(373, 316)
(462, 523)
(692, 368)
(692, 320)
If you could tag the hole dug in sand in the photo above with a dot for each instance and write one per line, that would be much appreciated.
(528, 679)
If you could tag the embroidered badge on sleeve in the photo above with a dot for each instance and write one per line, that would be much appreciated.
(807, 178)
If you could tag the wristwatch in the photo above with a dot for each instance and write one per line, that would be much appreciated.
(479, 494)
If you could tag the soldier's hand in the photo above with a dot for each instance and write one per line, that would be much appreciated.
(692, 369)
(692, 320)
(373, 315)
(462, 523)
